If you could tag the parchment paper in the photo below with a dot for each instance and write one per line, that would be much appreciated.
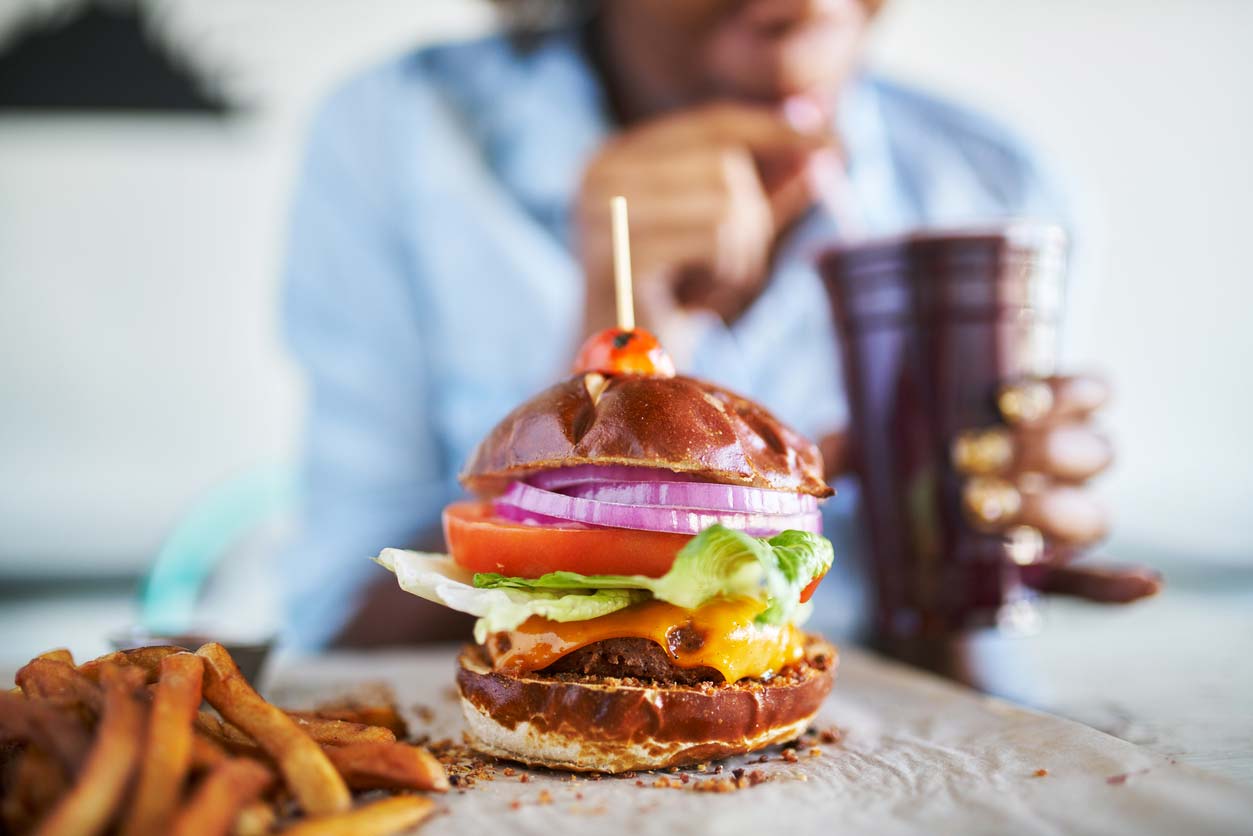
(916, 755)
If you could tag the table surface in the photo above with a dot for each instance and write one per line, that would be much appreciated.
(1173, 674)
(906, 752)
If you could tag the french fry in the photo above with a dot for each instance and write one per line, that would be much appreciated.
(146, 659)
(37, 782)
(54, 679)
(255, 819)
(365, 764)
(342, 732)
(221, 795)
(56, 779)
(386, 816)
(167, 757)
(205, 753)
(39, 723)
(382, 714)
(10, 753)
(226, 738)
(224, 734)
(388, 766)
(90, 804)
(307, 770)
(325, 732)
(368, 764)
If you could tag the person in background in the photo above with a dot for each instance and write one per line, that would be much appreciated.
(450, 250)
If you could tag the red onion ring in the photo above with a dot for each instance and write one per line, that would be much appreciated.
(597, 474)
(536, 504)
(706, 496)
(513, 513)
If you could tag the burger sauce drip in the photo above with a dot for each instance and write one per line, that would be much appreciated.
(721, 635)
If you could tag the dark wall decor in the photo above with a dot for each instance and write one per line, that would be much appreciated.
(104, 55)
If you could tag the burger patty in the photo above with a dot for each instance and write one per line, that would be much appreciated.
(638, 658)
(632, 657)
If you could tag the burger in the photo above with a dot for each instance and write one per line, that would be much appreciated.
(640, 558)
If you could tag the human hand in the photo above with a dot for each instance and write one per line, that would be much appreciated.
(1030, 478)
(709, 190)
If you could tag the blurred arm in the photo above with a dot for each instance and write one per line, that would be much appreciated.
(371, 465)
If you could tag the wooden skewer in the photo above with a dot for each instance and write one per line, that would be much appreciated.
(622, 264)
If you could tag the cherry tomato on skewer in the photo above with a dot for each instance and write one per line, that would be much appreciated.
(615, 351)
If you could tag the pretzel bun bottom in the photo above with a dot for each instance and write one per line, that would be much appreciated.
(606, 724)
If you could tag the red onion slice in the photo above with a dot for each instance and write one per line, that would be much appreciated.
(596, 474)
(705, 496)
(537, 504)
(513, 513)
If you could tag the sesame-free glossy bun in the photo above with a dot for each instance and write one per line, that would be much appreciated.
(605, 724)
(680, 424)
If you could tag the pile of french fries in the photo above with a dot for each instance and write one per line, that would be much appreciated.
(122, 744)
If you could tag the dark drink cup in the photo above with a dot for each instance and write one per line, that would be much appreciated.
(932, 324)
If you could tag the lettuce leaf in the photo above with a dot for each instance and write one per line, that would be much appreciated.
(438, 578)
(718, 562)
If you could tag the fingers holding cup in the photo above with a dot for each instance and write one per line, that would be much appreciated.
(1028, 475)
(984, 452)
(1068, 452)
(991, 503)
(1064, 514)
(1102, 583)
(1071, 452)
(1052, 400)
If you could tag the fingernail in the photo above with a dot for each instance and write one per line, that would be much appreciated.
(803, 114)
(1025, 402)
(990, 502)
(1087, 392)
(1078, 451)
(1076, 514)
(825, 171)
(1025, 545)
(983, 452)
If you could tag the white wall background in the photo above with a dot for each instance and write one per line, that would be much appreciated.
(1147, 106)
(140, 363)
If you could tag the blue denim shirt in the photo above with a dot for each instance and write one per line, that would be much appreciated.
(430, 287)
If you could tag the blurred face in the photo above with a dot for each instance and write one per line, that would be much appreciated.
(756, 50)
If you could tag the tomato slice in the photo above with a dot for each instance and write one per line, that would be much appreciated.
(808, 591)
(482, 542)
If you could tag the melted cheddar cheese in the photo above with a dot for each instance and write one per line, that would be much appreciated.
(721, 635)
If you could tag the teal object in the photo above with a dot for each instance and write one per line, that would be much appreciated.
(188, 556)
